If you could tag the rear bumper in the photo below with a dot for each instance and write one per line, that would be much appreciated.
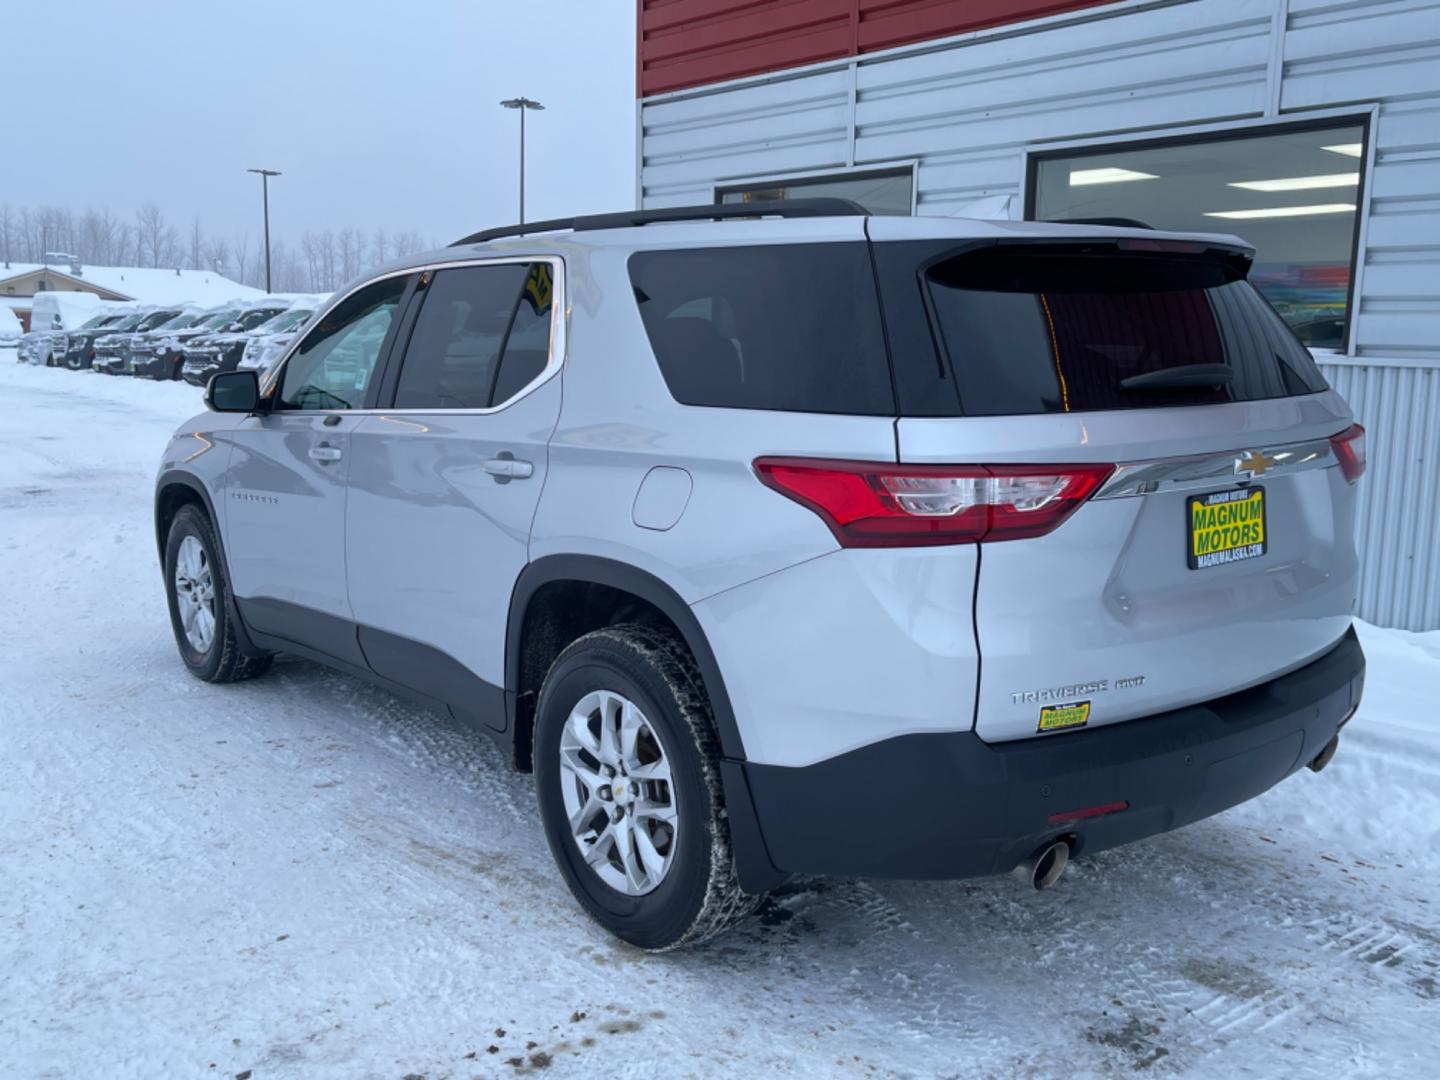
(951, 805)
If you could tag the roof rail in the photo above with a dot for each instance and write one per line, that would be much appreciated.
(1113, 222)
(624, 219)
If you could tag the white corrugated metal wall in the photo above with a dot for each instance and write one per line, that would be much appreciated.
(968, 108)
(1399, 527)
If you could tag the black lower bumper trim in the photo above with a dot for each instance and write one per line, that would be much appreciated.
(952, 805)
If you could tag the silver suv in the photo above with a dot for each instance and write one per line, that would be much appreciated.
(777, 539)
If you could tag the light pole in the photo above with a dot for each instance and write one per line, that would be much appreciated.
(522, 103)
(265, 175)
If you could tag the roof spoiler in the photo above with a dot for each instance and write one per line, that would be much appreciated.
(624, 219)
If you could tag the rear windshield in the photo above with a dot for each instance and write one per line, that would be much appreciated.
(1044, 331)
(792, 327)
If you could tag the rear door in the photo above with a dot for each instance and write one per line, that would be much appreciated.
(444, 482)
(1218, 554)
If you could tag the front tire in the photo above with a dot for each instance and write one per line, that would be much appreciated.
(628, 777)
(201, 605)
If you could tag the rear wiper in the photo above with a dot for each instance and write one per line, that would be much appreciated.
(1183, 375)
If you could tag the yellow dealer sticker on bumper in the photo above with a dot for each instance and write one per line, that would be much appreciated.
(1060, 717)
(1226, 527)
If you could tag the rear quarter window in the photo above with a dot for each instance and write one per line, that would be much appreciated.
(792, 327)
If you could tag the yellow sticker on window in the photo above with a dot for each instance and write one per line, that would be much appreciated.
(1060, 717)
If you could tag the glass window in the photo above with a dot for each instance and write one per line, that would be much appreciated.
(471, 315)
(334, 363)
(248, 320)
(1290, 192)
(881, 191)
(793, 327)
(527, 350)
(1032, 330)
(155, 319)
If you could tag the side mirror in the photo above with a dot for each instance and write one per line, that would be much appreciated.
(233, 391)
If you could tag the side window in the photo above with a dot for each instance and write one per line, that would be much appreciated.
(334, 364)
(793, 328)
(482, 334)
(527, 350)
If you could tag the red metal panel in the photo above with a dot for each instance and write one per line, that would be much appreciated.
(693, 42)
(887, 23)
(685, 43)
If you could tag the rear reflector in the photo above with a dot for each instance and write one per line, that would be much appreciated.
(1350, 451)
(1089, 812)
(873, 504)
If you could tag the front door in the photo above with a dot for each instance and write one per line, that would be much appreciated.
(286, 486)
(445, 481)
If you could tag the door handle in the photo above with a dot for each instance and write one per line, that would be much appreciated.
(504, 467)
(325, 452)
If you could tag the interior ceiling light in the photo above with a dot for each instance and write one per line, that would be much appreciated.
(1349, 149)
(1299, 183)
(1284, 211)
(1082, 177)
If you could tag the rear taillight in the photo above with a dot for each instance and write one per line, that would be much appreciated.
(872, 504)
(1350, 451)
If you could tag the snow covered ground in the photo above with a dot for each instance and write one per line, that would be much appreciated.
(303, 876)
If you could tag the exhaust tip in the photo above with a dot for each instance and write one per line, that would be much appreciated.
(1043, 869)
(1323, 758)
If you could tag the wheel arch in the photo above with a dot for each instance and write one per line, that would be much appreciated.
(757, 872)
(625, 579)
(176, 489)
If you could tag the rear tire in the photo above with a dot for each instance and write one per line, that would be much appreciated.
(201, 604)
(649, 672)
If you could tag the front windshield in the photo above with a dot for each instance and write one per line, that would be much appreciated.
(179, 322)
(252, 319)
(127, 323)
(220, 318)
(156, 318)
(286, 320)
(98, 320)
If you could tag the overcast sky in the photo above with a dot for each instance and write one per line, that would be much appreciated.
(378, 113)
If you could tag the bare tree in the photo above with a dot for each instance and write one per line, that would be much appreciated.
(25, 227)
(241, 251)
(407, 243)
(327, 251)
(7, 228)
(217, 255)
(172, 252)
(151, 227)
(320, 261)
(110, 224)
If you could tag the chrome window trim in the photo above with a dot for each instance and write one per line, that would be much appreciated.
(554, 361)
(1208, 470)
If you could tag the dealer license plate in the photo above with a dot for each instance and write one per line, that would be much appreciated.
(1226, 527)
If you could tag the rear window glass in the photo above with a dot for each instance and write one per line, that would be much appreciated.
(793, 327)
(1028, 333)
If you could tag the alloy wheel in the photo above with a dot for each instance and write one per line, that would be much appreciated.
(619, 795)
(195, 594)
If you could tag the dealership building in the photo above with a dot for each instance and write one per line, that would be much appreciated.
(1309, 127)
